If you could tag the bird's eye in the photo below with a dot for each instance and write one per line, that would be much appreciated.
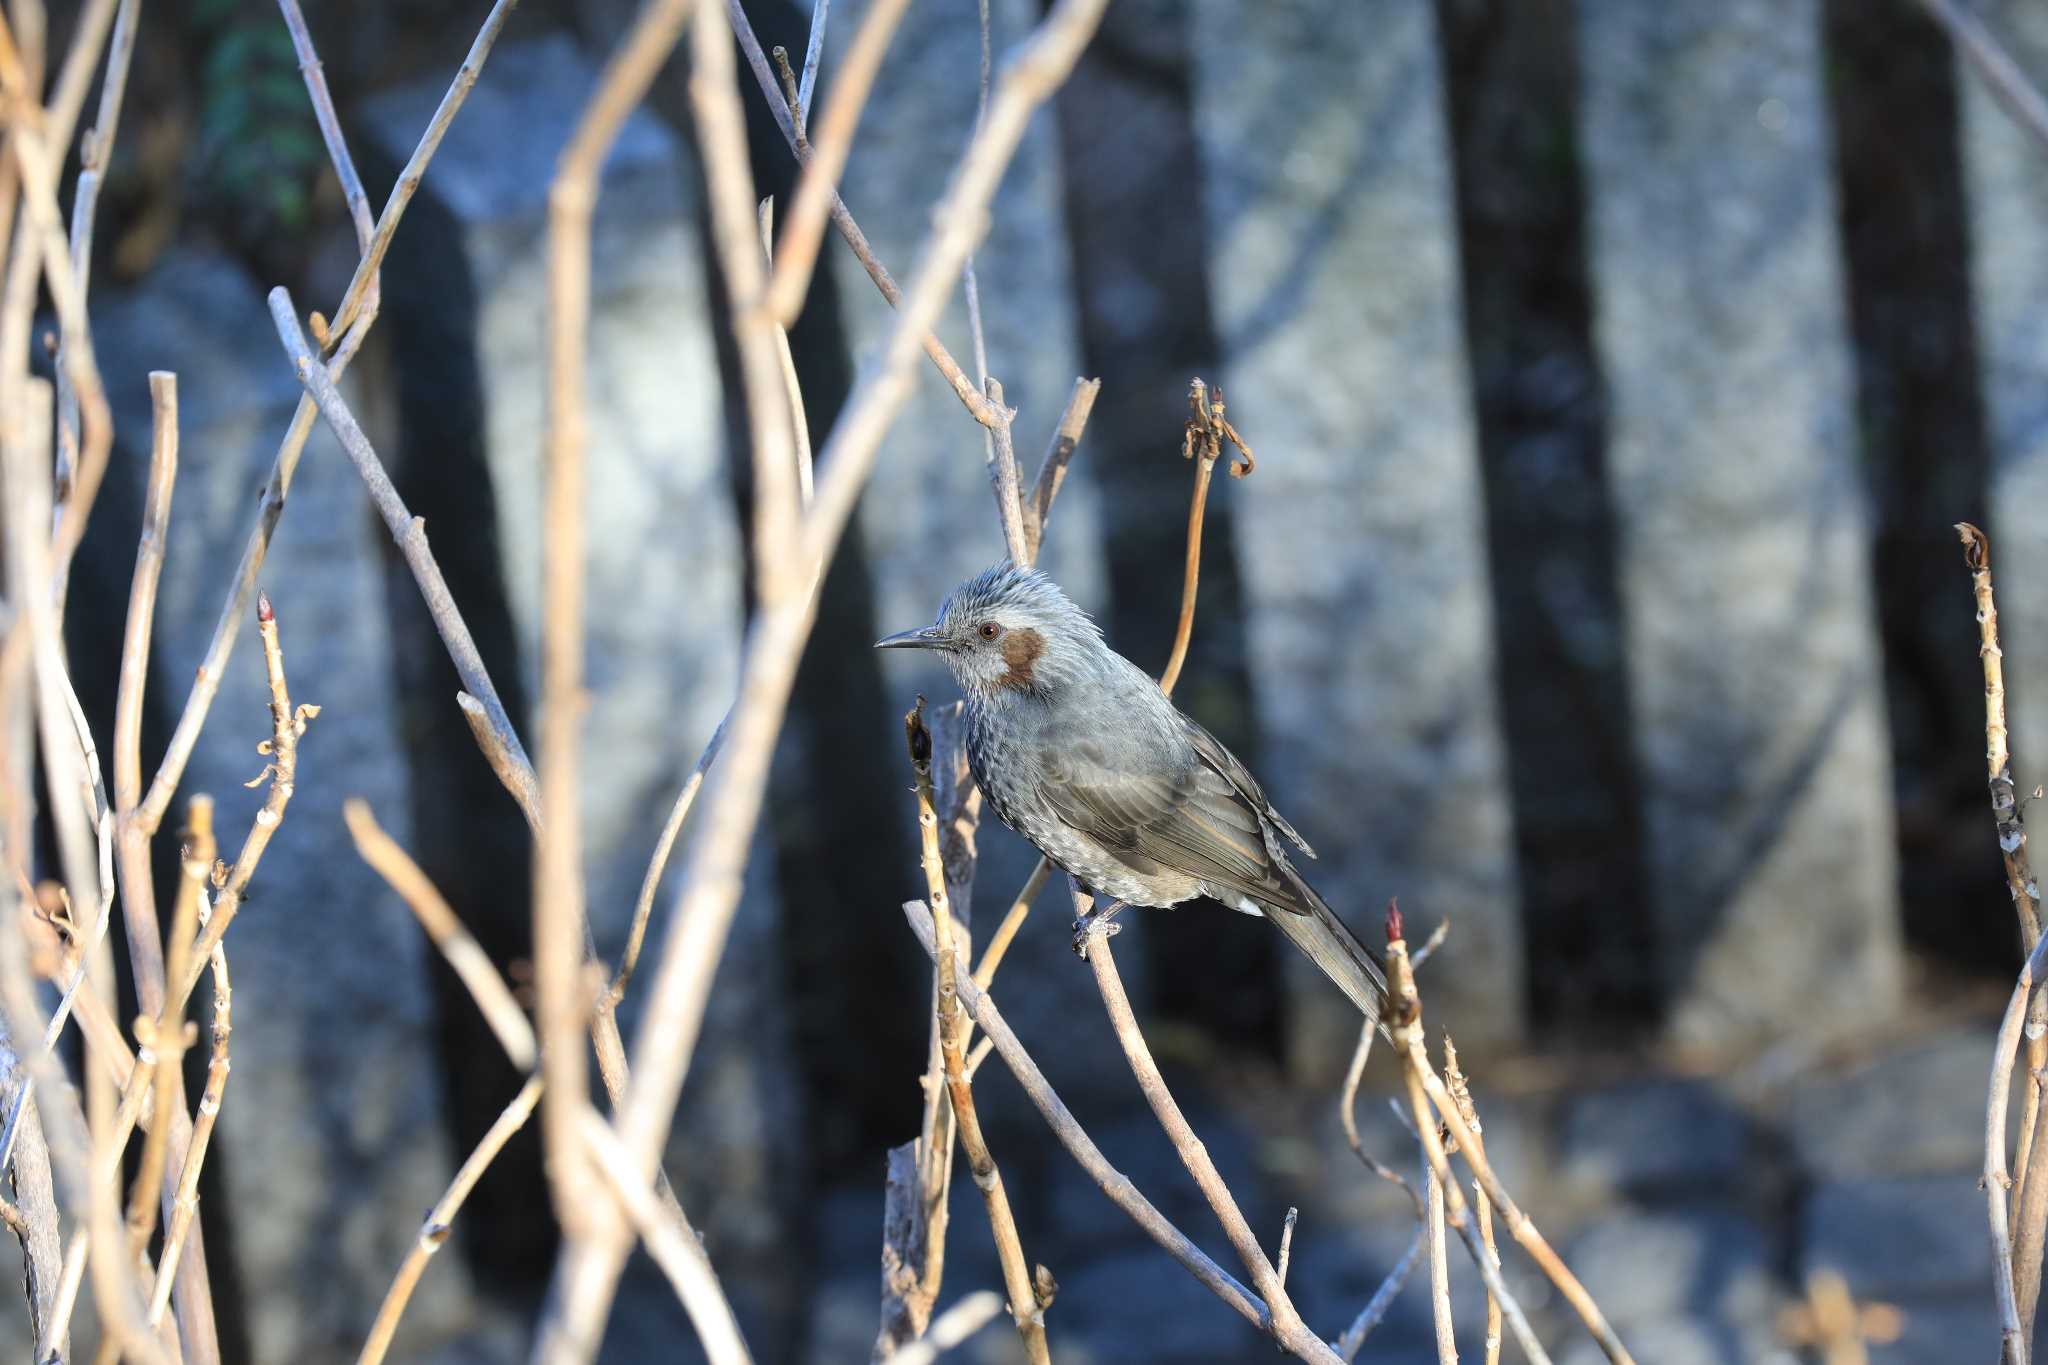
(988, 630)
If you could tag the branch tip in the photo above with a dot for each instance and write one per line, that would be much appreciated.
(1394, 926)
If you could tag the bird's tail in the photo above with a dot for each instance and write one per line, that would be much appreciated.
(1331, 946)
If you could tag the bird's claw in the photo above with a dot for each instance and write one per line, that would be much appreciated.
(1085, 925)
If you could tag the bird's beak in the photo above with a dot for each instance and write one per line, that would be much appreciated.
(925, 638)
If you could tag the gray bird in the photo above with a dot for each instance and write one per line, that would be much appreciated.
(1081, 753)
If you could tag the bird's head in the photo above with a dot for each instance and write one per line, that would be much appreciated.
(1007, 630)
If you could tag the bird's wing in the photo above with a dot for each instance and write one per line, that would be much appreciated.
(1225, 762)
(1192, 819)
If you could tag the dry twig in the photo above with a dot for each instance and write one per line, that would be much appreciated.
(441, 1219)
(1081, 1147)
(2017, 1341)
(2029, 1227)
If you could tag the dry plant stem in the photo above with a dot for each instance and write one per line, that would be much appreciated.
(348, 335)
(814, 53)
(493, 998)
(1006, 932)
(800, 431)
(1996, 1180)
(828, 139)
(441, 1218)
(671, 1245)
(950, 1328)
(1024, 1309)
(1081, 1147)
(1375, 1310)
(166, 1034)
(949, 368)
(1206, 432)
(643, 905)
(1002, 475)
(185, 1205)
(1052, 469)
(1426, 1089)
(407, 531)
(39, 1232)
(315, 76)
(1282, 1322)
(93, 152)
(2030, 1225)
(558, 908)
(1439, 1268)
(286, 725)
(516, 775)
(2009, 85)
(1461, 1093)
(735, 233)
(731, 806)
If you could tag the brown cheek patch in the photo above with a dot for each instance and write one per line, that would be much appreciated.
(1021, 649)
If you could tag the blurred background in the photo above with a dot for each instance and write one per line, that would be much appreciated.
(1616, 373)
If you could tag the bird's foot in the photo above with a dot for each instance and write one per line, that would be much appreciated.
(1103, 915)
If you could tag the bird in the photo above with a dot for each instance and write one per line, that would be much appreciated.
(1076, 748)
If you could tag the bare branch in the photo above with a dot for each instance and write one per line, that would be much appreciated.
(1114, 1183)
(441, 1219)
(2009, 85)
(185, 1205)
(951, 1327)
(1282, 1323)
(1997, 1181)
(1024, 1309)
(1052, 469)
(814, 53)
(828, 140)
(351, 323)
(1207, 430)
(493, 997)
(1375, 1310)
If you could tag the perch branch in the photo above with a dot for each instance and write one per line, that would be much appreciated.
(1113, 1183)
(1282, 1323)
(1024, 1308)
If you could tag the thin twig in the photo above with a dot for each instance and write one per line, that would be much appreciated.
(650, 882)
(963, 387)
(493, 997)
(559, 920)
(952, 1327)
(1439, 1267)
(1375, 1310)
(826, 142)
(800, 428)
(2008, 83)
(440, 1220)
(407, 531)
(185, 1207)
(42, 1243)
(1425, 1090)
(315, 75)
(1113, 1183)
(2030, 1222)
(1052, 469)
(1997, 1181)
(1282, 1323)
(1006, 932)
(1024, 1309)
(1462, 1094)
(814, 53)
(351, 323)
(1207, 430)
(670, 1244)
